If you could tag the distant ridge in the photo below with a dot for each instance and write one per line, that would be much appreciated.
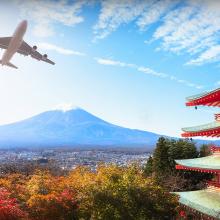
(71, 128)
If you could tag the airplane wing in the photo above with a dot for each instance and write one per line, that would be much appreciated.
(4, 42)
(26, 49)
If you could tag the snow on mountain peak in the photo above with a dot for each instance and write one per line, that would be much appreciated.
(64, 107)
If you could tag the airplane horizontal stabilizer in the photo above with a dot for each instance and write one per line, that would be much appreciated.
(10, 65)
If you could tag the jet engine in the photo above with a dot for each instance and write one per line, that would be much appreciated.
(34, 48)
(45, 56)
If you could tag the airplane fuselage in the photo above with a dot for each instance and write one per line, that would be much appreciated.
(15, 42)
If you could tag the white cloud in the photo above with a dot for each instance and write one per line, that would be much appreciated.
(189, 26)
(152, 72)
(113, 62)
(146, 70)
(154, 11)
(115, 13)
(47, 46)
(45, 13)
(193, 28)
(210, 55)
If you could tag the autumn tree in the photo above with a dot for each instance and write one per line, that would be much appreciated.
(122, 193)
(48, 199)
(9, 207)
(55, 205)
(15, 183)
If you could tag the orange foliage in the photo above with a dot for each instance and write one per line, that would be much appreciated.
(111, 192)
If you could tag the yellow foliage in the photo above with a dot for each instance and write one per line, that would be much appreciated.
(42, 182)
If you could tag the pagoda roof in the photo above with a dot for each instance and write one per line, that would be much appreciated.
(204, 164)
(210, 130)
(205, 201)
(211, 98)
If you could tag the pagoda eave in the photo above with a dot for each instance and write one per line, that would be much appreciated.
(206, 202)
(196, 103)
(215, 132)
(208, 164)
(198, 169)
(209, 99)
(197, 213)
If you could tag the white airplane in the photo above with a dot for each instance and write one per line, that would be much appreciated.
(16, 44)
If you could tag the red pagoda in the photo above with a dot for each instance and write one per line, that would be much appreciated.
(204, 204)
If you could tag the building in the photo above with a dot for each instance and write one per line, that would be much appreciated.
(203, 204)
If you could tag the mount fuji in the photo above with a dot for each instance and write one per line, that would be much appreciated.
(75, 127)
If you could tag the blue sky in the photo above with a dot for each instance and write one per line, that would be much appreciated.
(131, 63)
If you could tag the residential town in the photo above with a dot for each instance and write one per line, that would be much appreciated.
(68, 159)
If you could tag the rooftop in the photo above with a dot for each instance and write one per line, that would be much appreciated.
(209, 162)
(210, 130)
(210, 98)
(206, 201)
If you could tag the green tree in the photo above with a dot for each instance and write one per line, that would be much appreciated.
(161, 163)
(181, 149)
(148, 169)
(164, 171)
(189, 149)
(204, 150)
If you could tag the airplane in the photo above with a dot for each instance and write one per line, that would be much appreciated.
(16, 44)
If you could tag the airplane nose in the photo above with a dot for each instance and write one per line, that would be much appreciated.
(24, 23)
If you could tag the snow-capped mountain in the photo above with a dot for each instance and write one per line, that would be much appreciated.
(71, 128)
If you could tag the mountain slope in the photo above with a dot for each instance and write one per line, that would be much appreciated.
(70, 128)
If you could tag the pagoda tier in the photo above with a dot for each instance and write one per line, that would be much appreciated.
(211, 98)
(208, 130)
(206, 201)
(210, 164)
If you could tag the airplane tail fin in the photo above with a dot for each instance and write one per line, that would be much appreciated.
(10, 65)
